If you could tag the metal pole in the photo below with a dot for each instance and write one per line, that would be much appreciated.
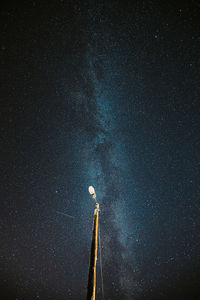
(93, 256)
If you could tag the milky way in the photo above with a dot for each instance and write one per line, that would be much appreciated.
(106, 95)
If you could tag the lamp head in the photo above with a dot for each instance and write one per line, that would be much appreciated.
(92, 191)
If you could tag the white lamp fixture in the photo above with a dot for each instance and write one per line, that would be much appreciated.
(92, 192)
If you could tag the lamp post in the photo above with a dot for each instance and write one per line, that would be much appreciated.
(93, 254)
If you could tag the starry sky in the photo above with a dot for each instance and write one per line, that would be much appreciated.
(102, 93)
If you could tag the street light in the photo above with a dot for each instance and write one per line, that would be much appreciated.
(93, 253)
(92, 192)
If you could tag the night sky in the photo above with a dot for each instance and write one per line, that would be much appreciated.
(102, 93)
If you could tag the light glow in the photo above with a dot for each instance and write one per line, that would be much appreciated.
(91, 190)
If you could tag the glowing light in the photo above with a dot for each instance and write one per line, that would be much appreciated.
(91, 190)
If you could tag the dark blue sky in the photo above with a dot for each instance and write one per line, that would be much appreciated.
(102, 94)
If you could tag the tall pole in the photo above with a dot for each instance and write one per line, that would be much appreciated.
(93, 253)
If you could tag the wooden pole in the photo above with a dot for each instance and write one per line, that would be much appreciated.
(93, 256)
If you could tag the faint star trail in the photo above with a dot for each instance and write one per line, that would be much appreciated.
(64, 214)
